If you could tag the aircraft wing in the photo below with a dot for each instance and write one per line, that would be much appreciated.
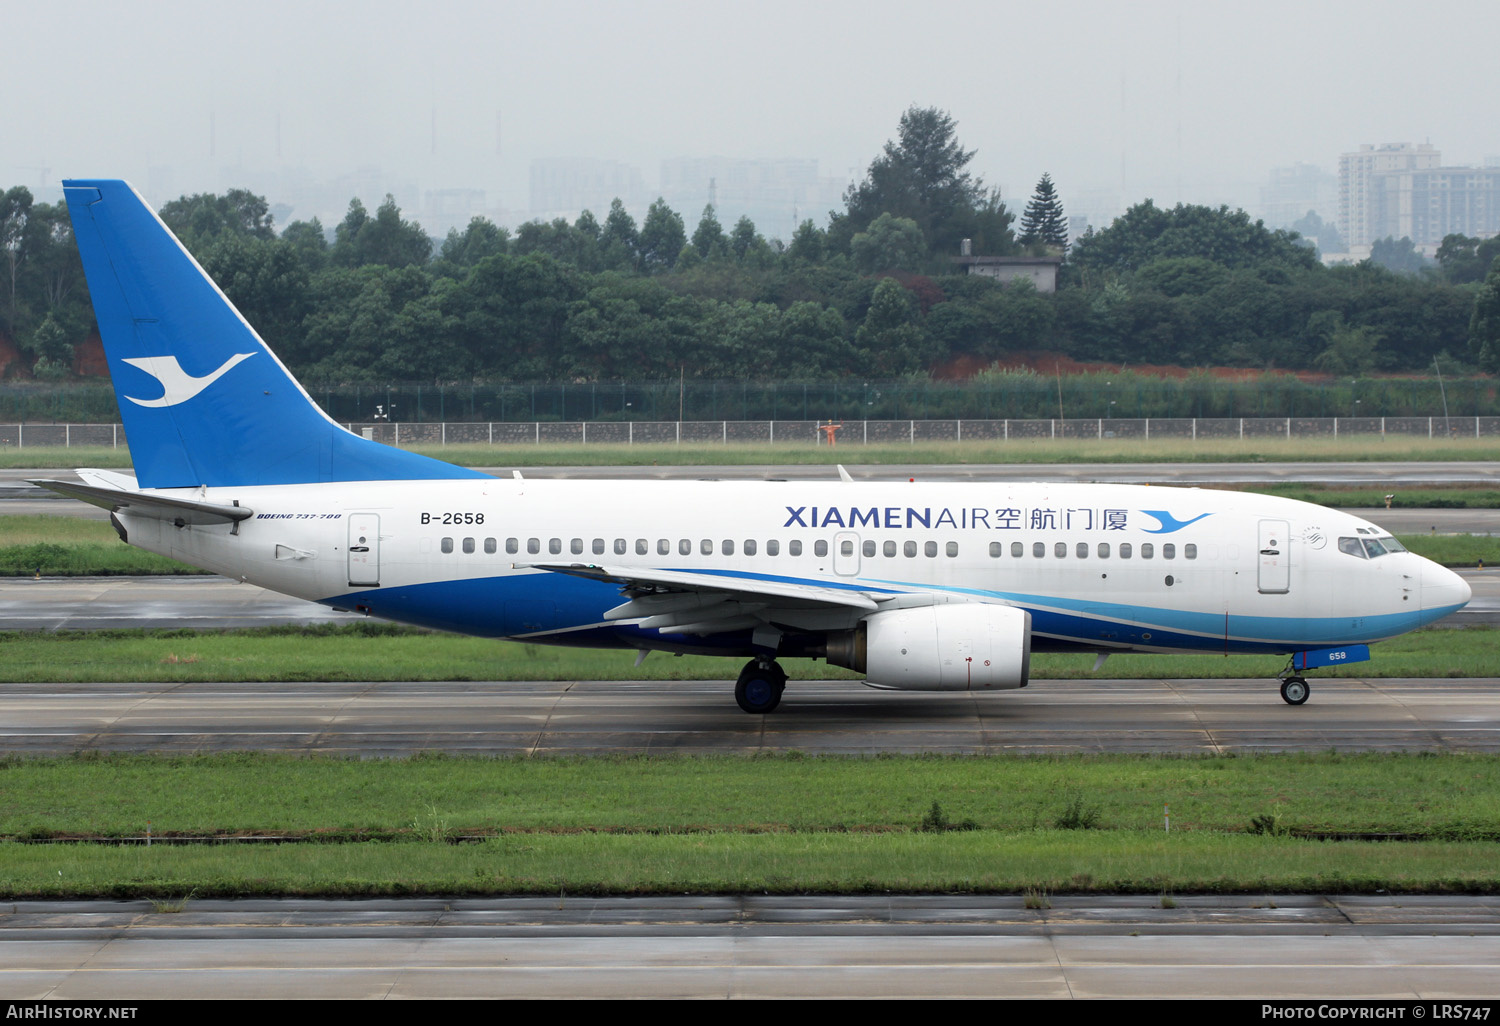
(688, 602)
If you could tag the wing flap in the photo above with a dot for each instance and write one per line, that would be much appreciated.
(648, 582)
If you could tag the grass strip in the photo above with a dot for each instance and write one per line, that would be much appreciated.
(783, 824)
(1358, 448)
(1452, 796)
(1052, 862)
(378, 652)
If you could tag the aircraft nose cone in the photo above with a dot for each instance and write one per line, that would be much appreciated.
(1443, 592)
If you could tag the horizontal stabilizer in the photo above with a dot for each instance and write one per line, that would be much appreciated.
(159, 507)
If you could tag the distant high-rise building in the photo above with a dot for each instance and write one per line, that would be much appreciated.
(1358, 203)
(1403, 191)
(1293, 191)
(567, 186)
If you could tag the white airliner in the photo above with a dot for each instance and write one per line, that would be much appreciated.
(919, 586)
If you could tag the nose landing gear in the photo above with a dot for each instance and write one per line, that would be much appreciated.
(758, 690)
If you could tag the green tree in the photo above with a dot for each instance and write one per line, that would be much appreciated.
(1324, 234)
(889, 244)
(808, 244)
(206, 215)
(620, 243)
(663, 235)
(1464, 259)
(308, 240)
(15, 210)
(1398, 255)
(1484, 323)
(480, 238)
(1043, 222)
(922, 175)
(384, 239)
(1146, 232)
(891, 339)
(708, 237)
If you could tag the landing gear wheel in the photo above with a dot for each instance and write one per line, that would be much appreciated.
(1294, 691)
(758, 690)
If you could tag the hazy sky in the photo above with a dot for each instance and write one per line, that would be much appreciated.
(1164, 99)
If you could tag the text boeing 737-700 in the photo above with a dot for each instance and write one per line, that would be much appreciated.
(920, 586)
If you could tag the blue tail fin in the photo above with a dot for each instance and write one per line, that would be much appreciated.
(202, 398)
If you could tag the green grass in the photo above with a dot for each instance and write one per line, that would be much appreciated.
(560, 866)
(72, 547)
(1069, 450)
(786, 824)
(378, 652)
(1475, 496)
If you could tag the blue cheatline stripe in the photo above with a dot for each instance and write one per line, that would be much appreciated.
(572, 607)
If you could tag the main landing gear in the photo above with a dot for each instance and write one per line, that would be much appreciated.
(758, 691)
(1294, 690)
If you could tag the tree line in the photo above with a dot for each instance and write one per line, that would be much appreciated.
(871, 292)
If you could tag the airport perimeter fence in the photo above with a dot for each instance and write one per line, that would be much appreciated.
(1014, 397)
(811, 432)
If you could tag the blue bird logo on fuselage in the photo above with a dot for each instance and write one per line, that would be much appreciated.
(1169, 523)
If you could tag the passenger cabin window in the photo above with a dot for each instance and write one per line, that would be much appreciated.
(1124, 550)
(642, 547)
(1060, 550)
(706, 546)
(554, 546)
(489, 546)
(820, 548)
(1104, 550)
(598, 546)
(663, 547)
(576, 546)
(1168, 551)
(469, 545)
(952, 549)
(1038, 549)
(773, 547)
(996, 548)
(447, 545)
(869, 547)
(889, 548)
(512, 545)
(930, 549)
(1147, 550)
(909, 549)
(621, 546)
(685, 547)
(749, 546)
(794, 548)
(1082, 550)
(726, 547)
(1190, 551)
(533, 545)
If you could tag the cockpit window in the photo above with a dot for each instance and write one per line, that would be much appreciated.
(1352, 546)
(1373, 547)
(1392, 545)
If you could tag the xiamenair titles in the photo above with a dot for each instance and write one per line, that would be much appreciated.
(999, 518)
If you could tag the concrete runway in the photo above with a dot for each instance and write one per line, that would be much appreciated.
(1260, 948)
(700, 717)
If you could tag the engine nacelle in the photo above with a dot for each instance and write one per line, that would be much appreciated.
(952, 647)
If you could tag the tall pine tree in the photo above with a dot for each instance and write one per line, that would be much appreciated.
(1043, 221)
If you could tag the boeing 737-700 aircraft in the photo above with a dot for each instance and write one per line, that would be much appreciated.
(919, 586)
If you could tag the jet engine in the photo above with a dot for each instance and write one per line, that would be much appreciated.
(953, 647)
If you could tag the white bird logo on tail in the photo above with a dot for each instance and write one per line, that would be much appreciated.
(178, 386)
